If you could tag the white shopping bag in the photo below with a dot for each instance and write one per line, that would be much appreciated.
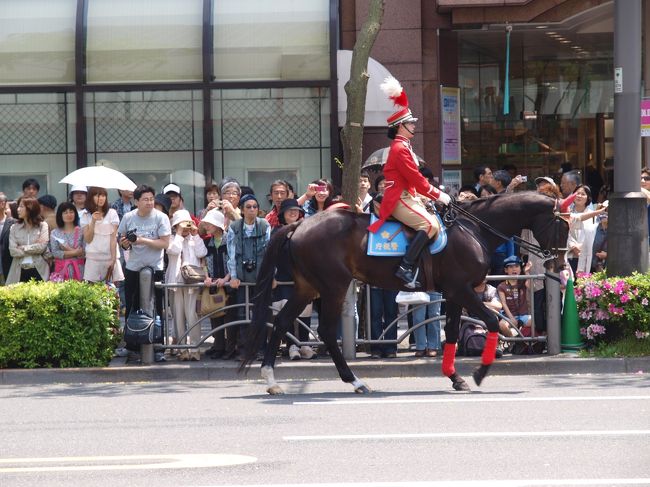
(406, 297)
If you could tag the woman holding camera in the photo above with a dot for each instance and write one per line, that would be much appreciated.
(99, 224)
(321, 193)
(186, 247)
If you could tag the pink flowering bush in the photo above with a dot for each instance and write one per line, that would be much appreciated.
(614, 307)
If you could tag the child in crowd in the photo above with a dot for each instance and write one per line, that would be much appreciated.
(513, 292)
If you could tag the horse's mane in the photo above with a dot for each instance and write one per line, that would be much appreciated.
(503, 198)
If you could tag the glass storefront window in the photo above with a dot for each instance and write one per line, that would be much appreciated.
(155, 137)
(265, 134)
(37, 49)
(144, 41)
(37, 140)
(278, 40)
(557, 97)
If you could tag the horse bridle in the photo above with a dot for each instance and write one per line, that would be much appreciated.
(450, 216)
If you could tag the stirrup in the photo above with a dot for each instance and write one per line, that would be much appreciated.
(413, 283)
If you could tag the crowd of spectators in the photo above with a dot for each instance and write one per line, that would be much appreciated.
(87, 238)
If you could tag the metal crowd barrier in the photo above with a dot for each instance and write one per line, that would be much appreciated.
(350, 338)
(247, 305)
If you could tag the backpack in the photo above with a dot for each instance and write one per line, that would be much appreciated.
(471, 339)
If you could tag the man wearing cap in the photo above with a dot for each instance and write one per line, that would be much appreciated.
(173, 191)
(546, 185)
(403, 181)
(77, 197)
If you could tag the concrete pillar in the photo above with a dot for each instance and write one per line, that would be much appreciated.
(628, 224)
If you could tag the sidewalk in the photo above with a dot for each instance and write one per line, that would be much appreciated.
(405, 365)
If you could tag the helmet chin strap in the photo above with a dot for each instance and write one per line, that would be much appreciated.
(407, 129)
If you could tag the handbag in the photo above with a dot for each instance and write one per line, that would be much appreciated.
(142, 329)
(412, 298)
(211, 303)
(193, 274)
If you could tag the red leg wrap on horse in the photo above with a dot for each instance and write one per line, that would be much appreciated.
(490, 349)
(448, 357)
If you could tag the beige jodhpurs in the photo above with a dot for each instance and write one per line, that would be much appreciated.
(410, 211)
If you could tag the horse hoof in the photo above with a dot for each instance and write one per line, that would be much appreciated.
(480, 373)
(275, 390)
(364, 389)
(459, 384)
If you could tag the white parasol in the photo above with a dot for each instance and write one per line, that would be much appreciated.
(99, 176)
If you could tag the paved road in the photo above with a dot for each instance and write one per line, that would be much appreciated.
(517, 430)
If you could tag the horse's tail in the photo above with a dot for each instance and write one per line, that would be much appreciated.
(257, 330)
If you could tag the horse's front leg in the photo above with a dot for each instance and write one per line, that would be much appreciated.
(452, 326)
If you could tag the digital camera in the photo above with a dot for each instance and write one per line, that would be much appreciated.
(131, 236)
(249, 265)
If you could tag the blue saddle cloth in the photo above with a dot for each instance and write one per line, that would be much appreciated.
(390, 240)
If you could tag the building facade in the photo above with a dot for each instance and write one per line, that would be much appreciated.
(560, 90)
(186, 91)
(191, 91)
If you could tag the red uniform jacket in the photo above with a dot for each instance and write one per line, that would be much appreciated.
(402, 173)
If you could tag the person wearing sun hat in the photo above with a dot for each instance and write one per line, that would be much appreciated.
(404, 182)
(290, 212)
(213, 225)
(77, 197)
(185, 247)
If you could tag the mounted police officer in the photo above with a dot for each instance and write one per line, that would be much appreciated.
(404, 183)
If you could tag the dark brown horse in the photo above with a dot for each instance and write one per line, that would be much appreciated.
(328, 250)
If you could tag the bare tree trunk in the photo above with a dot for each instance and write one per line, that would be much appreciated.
(355, 88)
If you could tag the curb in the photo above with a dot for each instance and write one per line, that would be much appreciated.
(320, 369)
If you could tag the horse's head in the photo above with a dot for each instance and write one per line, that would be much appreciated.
(551, 229)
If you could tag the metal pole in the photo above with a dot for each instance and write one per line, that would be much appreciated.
(146, 299)
(628, 225)
(553, 313)
(348, 331)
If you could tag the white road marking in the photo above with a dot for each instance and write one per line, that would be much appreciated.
(468, 398)
(469, 434)
(129, 462)
(463, 483)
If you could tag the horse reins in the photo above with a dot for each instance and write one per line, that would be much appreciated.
(450, 217)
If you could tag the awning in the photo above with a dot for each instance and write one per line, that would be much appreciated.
(378, 107)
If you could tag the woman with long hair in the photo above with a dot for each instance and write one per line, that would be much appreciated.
(582, 230)
(67, 244)
(99, 226)
(28, 239)
(323, 196)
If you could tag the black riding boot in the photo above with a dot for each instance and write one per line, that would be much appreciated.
(406, 270)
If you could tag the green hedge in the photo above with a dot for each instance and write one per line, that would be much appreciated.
(613, 308)
(47, 324)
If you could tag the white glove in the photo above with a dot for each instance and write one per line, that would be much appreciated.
(444, 198)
